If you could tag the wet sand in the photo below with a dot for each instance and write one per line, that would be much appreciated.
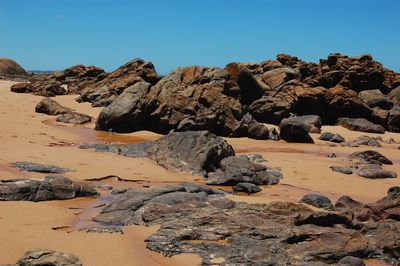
(28, 136)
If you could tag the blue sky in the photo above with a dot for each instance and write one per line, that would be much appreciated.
(55, 34)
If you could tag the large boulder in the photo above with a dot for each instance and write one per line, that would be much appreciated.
(49, 188)
(45, 257)
(127, 112)
(394, 119)
(277, 77)
(10, 68)
(312, 123)
(394, 96)
(375, 98)
(51, 107)
(292, 130)
(270, 109)
(360, 124)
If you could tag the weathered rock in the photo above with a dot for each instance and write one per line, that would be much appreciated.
(394, 96)
(351, 261)
(270, 110)
(51, 107)
(45, 257)
(317, 201)
(50, 188)
(73, 118)
(102, 92)
(246, 187)
(328, 136)
(360, 124)
(43, 88)
(377, 173)
(257, 158)
(370, 156)
(292, 130)
(10, 68)
(251, 128)
(394, 119)
(375, 98)
(195, 219)
(40, 168)
(277, 77)
(341, 169)
(346, 202)
(127, 112)
(234, 170)
(365, 140)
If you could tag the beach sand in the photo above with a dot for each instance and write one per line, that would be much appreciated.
(29, 136)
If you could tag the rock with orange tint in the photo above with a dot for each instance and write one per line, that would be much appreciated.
(41, 257)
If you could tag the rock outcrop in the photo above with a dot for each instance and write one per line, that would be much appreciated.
(41, 257)
(50, 188)
(10, 69)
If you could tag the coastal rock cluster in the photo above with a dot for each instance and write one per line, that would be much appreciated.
(235, 100)
(196, 219)
(200, 153)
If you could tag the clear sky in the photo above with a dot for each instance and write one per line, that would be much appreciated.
(55, 34)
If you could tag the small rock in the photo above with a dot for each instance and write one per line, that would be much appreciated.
(351, 261)
(246, 187)
(40, 168)
(328, 136)
(340, 169)
(331, 155)
(42, 257)
(317, 201)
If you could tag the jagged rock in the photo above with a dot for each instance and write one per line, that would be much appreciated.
(375, 98)
(40, 168)
(360, 124)
(341, 169)
(102, 92)
(198, 220)
(317, 201)
(44, 88)
(377, 173)
(394, 119)
(73, 118)
(50, 188)
(45, 257)
(234, 170)
(328, 136)
(246, 187)
(292, 130)
(370, 156)
(51, 107)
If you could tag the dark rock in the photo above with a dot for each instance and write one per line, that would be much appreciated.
(126, 113)
(234, 170)
(246, 187)
(375, 98)
(273, 134)
(311, 122)
(50, 188)
(328, 136)
(346, 202)
(43, 88)
(270, 110)
(370, 156)
(340, 169)
(295, 131)
(104, 229)
(360, 124)
(377, 173)
(40, 168)
(331, 155)
(251, 128)
(366, 140)
(317, 201)
(73, 118)
(394, 119)
(351, 261)
(51, 107)
(45, 257)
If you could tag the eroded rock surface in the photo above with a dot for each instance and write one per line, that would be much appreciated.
(360, 124)
(40, 168)
(45, 257)
(196, 219)
(49, 188)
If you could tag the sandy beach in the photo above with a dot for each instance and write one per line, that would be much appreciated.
(29, 136)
